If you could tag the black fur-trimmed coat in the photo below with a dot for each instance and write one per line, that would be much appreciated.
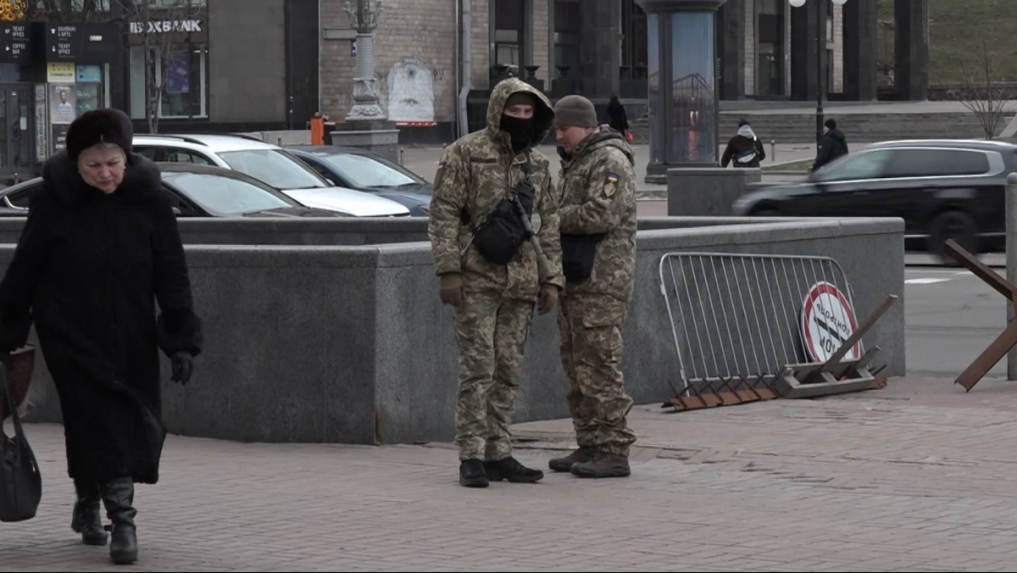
(88, 270)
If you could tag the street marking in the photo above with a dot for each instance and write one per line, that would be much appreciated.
(925, 281)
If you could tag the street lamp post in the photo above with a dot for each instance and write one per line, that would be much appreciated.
(366, 98)
(820, 80)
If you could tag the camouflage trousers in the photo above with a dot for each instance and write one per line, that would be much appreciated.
(590, 331)
(492, 332)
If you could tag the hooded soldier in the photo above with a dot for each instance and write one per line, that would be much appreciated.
(488, 268)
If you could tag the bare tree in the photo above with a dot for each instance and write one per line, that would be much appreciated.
(985, 91)
(157, 26)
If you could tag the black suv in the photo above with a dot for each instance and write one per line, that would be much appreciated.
(942, 189)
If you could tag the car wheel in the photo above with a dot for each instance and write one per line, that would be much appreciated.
(765, 212)
(956, 225)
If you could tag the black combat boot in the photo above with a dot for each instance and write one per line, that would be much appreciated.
(510, 469)
(472, 474)
(583, 454)
(118, 496)
(86, 519)
(603, 465)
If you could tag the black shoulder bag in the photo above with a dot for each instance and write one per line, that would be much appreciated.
(20, 480)
(502, 233)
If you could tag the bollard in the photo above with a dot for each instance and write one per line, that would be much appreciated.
(401, 151)
(279, 139)
(773, 150)
(1011, 263)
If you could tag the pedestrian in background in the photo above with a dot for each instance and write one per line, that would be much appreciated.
(99, 248)
(598, 238)
(488, 269)
(617, 118)
(744, 148)
(833, 146)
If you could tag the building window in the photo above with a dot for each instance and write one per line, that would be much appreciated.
(770, 40)
(508, 33)
(634, 42)
(186, 81)
(567, 28)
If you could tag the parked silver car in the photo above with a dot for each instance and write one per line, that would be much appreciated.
(269, 163)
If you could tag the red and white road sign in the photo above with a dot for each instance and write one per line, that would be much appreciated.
(827, 322)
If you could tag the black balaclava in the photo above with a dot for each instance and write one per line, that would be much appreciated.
(520, 130)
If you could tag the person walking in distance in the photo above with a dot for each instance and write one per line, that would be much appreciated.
(598, 239)
(833, 146)
(617, 118)
(744, 148)
(487, 261)
(99, 249)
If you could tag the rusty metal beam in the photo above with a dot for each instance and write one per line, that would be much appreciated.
(981, 270)
(989, 358)
(1006, 341)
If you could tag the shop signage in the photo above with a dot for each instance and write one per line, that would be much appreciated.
(16, 40)
(167, 26)
(82, 42)
(60, 73)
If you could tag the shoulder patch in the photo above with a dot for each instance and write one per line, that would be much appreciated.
(611, 184)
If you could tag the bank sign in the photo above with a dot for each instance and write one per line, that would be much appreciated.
(166, 26)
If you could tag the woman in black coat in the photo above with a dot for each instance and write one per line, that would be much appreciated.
(616, 116)
(99, 248)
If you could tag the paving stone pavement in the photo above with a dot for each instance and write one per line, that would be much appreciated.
(916, 477)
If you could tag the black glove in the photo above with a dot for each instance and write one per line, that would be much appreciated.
(182, 366)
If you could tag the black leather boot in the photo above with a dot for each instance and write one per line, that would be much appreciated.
(510, 469)
(471, 474)
(118, 496)
(86, 519)
(582, 455)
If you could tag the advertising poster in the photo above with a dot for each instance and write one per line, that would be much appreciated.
(61, 104)
(178, 77)
(41, 128)
(59, 137)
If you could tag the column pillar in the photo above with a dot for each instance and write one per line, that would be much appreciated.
(803, 50)
(861, 59)
(911, 49)
(600, 48)
(732, 41)
(682, 85)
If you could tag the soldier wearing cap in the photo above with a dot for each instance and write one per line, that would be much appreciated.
(597, 218)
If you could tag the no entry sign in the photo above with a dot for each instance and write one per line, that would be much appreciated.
(827, 322)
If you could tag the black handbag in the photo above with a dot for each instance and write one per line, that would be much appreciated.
(20, 480)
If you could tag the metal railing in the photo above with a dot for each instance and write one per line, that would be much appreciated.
(735, 315)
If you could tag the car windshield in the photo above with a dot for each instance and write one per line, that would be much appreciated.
(277, 168)
(365, 171)
(227, 195)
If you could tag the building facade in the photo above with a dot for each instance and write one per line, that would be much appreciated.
(766, 50)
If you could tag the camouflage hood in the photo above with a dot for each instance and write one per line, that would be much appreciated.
(602, 137)
(543, 115)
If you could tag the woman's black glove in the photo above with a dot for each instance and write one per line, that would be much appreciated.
(183, 363)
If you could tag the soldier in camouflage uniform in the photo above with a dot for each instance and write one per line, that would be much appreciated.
(598, 238)
(494, 303)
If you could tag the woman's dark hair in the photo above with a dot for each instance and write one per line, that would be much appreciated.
(614, 99)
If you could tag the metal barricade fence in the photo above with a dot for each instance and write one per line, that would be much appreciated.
(735, 315)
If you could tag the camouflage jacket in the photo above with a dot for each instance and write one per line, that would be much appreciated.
(598, 195)
(475, 173)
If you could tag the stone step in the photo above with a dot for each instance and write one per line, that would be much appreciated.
(858, 127)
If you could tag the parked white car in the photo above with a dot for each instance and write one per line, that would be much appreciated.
(272, 165)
